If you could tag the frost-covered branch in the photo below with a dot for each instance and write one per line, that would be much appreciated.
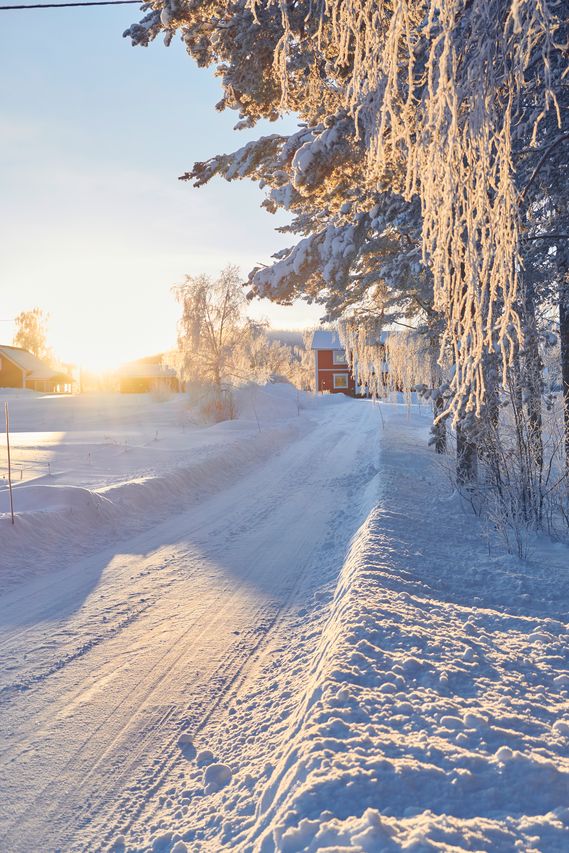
(427, 100)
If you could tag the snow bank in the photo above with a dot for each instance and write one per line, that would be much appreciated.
(279, 401)
(42, 498)
(426, 722)
(34, 412)
(53, 522)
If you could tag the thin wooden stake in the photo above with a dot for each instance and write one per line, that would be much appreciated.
(9, 461)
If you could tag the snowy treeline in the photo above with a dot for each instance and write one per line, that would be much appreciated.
(428, 184)
(219, 348)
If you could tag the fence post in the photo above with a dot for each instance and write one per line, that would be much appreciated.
(7, 417)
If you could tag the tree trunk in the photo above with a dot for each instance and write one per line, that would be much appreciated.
(522, 443)
(466, 457)
(466, 448)
(490, 446)
(564, 340)
(439, 428)
(533, 367)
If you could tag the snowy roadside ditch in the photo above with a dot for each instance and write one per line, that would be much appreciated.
(55, 523)
(426, 722)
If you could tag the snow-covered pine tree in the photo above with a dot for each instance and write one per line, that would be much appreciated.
(423, 100)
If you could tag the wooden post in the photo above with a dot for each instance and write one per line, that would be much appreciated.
(7, 417)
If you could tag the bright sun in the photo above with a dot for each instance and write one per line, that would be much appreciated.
(104, 347)
(101, 361)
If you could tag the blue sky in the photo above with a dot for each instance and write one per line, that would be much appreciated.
(95, 225)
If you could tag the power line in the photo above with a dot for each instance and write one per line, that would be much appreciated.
(64, 5)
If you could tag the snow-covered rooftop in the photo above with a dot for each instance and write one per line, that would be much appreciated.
(326, 339)
(34, 367)
(330, 339)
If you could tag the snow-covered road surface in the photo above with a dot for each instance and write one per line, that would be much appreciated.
(321, 647)
(107, 662)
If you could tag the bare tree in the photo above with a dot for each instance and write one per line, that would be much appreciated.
(210, 328)
(31, 332)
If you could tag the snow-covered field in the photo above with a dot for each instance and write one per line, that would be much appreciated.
(86, 468)
(290, 638)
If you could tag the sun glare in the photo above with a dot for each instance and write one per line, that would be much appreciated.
(101, 363)
(102, 350)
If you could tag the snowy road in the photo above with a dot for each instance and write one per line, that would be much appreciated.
(107, 662)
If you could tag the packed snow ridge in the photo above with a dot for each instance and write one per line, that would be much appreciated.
(429, 723)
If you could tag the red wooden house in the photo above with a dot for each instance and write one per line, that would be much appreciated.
(147, 374)
(21, 369)
(331, 370)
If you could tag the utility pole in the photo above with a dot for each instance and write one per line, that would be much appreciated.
(7, 417)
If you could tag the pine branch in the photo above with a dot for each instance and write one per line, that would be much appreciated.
(548, 237)
(563, 138)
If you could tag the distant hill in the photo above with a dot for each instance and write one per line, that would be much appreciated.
(290, 337)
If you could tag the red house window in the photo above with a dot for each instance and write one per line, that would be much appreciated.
(340, 380)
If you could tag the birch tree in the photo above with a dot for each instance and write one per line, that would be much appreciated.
(210, 328)
(31, 332)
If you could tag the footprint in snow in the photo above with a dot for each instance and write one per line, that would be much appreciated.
(215, 777)
(186, 745)
(204, 757)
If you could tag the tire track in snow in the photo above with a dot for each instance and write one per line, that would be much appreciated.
(131, 733)
(231, 686)
(163, 667)
(172, 752)
(228, 688)
(353, 482)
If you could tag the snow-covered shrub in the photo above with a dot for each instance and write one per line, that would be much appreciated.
(523, 482)
(218, 406)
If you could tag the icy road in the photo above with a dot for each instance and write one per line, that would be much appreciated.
(114, 667)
